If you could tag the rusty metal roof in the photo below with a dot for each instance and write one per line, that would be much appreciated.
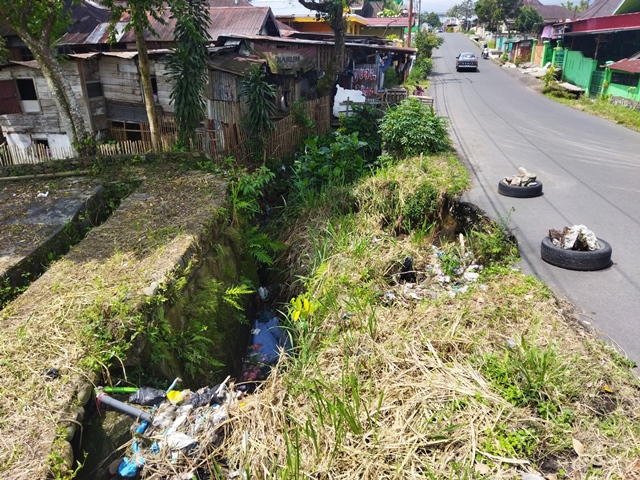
(88, 25)
(630, 65)
(224, 20)
(329, 41)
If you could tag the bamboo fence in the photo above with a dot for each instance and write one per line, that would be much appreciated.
(228, 141)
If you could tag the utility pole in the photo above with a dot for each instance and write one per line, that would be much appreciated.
(410, 23)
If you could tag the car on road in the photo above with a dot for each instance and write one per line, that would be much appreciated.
(438, 30)
(467, 61)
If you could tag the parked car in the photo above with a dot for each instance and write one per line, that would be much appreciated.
(467, 61)
(438, 30)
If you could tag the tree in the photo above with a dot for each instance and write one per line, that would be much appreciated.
(332, 12)
(431, 18)
(188, 66)
(528, 19)
(39, 23)
(576, 8)
(259, 98)
(391, 9)
(495, 12)
(140, 13)
(463, 11)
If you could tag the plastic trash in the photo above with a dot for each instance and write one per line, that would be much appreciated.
(130, 465)
(204, 396)
(178, 441)
(147, 396)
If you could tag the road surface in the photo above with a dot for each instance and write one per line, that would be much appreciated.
(590, 169)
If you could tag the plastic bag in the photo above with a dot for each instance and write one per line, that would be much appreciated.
(147, 396)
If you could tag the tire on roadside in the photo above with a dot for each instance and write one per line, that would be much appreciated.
(528, 191)
(575, 259)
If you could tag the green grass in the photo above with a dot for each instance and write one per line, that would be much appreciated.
(602, 108)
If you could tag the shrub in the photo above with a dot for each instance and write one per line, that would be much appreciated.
(391, 78)
(365, 121)
(412, 128)
(335, 164)
(421, 70)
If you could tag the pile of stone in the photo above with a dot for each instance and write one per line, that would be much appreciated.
(576, 237)
(522, 179)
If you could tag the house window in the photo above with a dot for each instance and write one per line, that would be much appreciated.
(27, 89)
(628, 79)
(154, 88)
(28, 95)
(94, 89)
(122, 131)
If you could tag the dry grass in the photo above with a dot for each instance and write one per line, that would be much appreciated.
(85, 308)
(399, 381)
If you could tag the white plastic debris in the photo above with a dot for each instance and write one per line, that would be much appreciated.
(178, 441)
(43, 195)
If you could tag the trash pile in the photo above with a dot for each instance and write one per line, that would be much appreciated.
(176, 437)
(446, 273)
(576, 237)
(522, 179)
(268, 340)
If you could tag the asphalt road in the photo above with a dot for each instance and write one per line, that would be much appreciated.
(590, 169)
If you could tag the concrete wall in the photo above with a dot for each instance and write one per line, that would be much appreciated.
(577, 69)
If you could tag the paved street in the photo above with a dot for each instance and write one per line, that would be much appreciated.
(590, 169)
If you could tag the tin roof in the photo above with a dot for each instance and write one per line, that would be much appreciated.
(329, 41)
(605, 8)
(89, 22)
(608, 24)
(550, 13)
(224, 20)
(631, 64)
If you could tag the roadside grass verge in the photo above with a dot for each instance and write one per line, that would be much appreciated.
(451, 376)
(602, 108)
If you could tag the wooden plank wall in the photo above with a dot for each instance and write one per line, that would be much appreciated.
(230, 140)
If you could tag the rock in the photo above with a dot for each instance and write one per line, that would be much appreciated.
(84, 393)
(101, 437)
(151, 290)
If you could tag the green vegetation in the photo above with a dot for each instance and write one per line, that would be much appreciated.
(425, 42)
(412, 128)
(258, 96)
(187, 66)
(437, 378)
(528, 20)
(602, 107)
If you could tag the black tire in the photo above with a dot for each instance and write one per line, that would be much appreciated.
(574, 259)
(533, 190)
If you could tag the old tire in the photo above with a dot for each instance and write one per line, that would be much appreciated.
(533, 190)
(575, 259)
